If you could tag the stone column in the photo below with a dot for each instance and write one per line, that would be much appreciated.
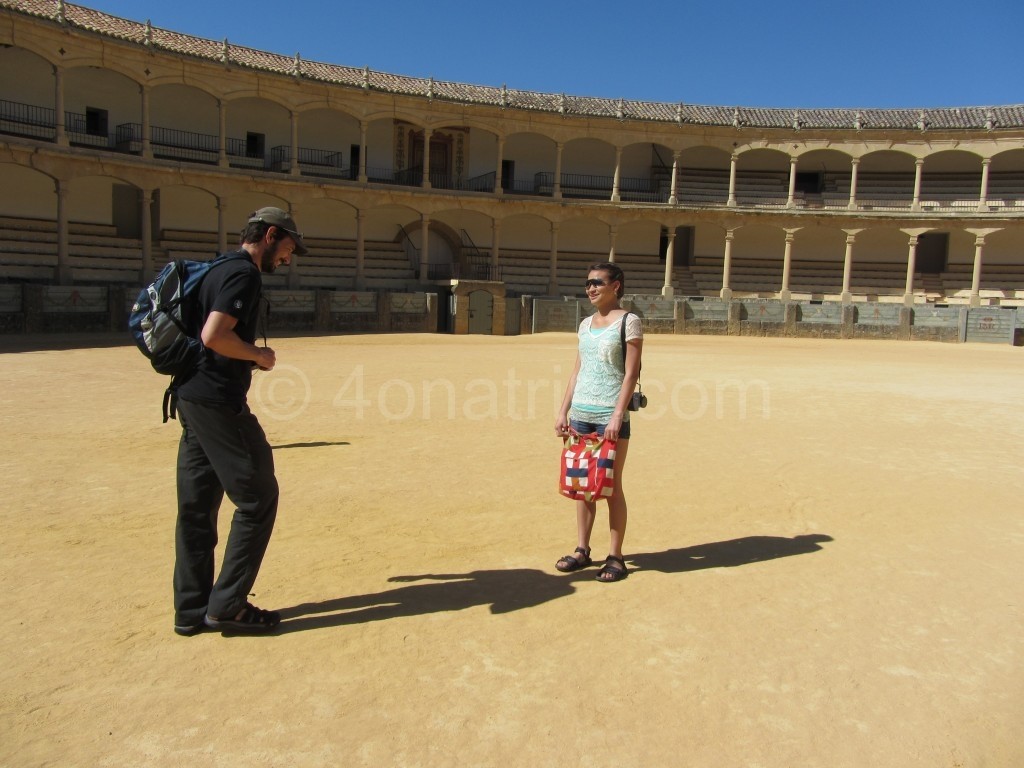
(790, 198)
(979, 244)
(427, 134)
(495, 245)
(918, 167)
(146, 215)
(908, 293)
(147, 145)
(613, 234)
(983, 195)
(497, 168)
(727, 264)
(851, 237)
(363, 128)
(360, 278)
(616, 197)
(975, 301)
(294, 169)
(557, 193)
(61, 136)
(854, 164)
(222, 232)
(732, 179)
(670, 252)
(222, 137)
(63, 266)
(553, 263)
(787, 264)
(425, 249)
(673, 197)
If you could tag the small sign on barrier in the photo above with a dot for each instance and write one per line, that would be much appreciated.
(991, 325)
(830, 313)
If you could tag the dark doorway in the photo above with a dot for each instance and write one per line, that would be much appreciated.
(353, 161)
(96, 121)
(682, 253)
(932, 253)
(255, 145)
(126, 211)
(809, 183)
(508, 175)
(445, 308)
(440, 154)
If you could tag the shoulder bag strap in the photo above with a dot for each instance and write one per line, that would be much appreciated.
(622, 339)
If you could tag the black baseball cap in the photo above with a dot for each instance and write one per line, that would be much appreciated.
(279, 218)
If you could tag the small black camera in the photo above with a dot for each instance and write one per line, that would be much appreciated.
(638, 401)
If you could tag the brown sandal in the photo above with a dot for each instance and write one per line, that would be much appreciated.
(611, 573)
(570, 563)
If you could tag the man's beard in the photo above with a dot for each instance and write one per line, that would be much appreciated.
(267, 264)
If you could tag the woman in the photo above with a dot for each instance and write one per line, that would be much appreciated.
(596, 400)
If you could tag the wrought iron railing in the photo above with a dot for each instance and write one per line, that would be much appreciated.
(443, 271)
(409, 177)
(411, 251)
(27, 120)
(168, 143)
(27, 114)
(482, 183)
(324, 160)
(239, 154)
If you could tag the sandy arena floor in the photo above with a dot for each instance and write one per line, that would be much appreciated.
(826, 542)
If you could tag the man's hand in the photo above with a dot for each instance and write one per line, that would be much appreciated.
(265, 359)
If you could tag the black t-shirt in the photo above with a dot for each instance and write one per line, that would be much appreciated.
(234, 288)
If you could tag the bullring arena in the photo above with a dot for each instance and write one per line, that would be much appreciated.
(824, 540)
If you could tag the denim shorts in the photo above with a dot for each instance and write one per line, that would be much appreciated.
(586, 427)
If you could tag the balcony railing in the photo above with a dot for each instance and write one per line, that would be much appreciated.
(312, 162)
(532, 186)
(377, 175)
(80, 131)
(881, 192)
(169, 143)
(483, 183)
(27, 120)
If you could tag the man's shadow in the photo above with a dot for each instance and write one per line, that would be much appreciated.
(517, 588)
(504, 590)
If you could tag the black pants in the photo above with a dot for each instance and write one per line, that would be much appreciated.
(222, 450)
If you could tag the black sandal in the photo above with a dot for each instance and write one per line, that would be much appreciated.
(573, 563)
(253, 620)
(610, 573)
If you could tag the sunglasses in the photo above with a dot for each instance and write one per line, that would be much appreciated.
(596, 283)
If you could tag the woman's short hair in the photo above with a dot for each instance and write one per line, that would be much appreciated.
(614, 273)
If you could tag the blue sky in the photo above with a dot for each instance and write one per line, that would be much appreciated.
(915, 53)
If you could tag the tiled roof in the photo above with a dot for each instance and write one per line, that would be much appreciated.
(960, 118)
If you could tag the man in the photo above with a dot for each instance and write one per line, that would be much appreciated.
(223, 449)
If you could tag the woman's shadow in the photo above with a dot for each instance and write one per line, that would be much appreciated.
(729, 554)
(513, 589)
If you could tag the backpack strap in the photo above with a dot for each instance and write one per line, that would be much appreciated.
(170, 410)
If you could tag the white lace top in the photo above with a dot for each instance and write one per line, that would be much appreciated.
(602, 369)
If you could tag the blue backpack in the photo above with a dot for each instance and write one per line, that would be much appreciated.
(163, 316)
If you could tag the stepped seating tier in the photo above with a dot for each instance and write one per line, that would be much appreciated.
(98, 255)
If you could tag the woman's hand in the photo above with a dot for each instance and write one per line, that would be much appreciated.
(562, 426)
(611, 429)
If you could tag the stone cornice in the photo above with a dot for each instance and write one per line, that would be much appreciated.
(985, 119)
